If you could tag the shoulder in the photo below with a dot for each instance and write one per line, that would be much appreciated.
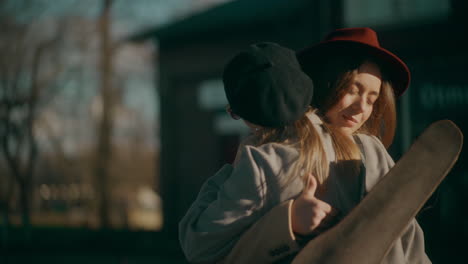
(269, 154)
(317, 123)
(372, 146)
(377, 161)
(314, 118)
(268, 164)
(370, 140)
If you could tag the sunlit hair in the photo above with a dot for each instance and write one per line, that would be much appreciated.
(303, 136)
(382, 121)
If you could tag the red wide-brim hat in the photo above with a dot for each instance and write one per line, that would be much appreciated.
(359, 40)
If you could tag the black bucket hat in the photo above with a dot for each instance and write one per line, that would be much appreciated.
(266, 86)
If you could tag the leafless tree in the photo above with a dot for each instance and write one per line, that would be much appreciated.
(27, 79)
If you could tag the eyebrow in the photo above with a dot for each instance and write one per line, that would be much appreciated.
(361, 86)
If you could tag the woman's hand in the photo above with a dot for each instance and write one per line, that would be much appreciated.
(311, 215)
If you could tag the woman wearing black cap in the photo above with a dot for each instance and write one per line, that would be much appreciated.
(266, 87)
(355, 85)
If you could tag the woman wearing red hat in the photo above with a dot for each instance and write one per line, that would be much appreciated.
(355, 85)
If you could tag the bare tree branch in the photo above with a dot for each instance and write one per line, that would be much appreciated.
(24, 83)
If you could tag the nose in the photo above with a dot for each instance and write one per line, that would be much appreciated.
(360, 104)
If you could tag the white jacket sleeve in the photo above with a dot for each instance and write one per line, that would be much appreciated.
(227, 205)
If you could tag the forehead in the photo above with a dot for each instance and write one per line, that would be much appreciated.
(370, 68)
(369, 77)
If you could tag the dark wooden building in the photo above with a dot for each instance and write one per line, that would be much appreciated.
(196, 139)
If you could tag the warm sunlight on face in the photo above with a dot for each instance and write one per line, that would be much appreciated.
(356, 106)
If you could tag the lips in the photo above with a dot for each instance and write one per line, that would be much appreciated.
(350, 120)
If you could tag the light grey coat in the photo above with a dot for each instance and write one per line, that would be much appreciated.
(235, 198)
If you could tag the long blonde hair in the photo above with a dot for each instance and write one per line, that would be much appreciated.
(382, 122)
(303, 136)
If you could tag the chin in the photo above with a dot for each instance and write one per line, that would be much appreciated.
(347, 131)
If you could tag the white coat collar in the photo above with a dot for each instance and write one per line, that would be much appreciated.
(314, 118)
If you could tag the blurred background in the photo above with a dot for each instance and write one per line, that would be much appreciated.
(112, 113)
